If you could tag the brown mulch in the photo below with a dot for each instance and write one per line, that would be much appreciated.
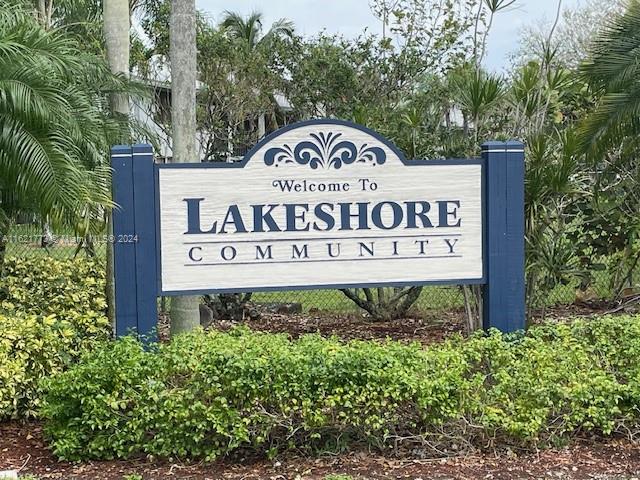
(428, 328)
(22, 448)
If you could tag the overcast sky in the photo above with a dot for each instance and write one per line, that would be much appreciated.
(351, 17)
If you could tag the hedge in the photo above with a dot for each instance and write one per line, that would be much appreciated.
(209, 395)
(51, 312)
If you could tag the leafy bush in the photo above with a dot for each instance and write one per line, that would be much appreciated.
(71, 289)
(50, 313)
(214, 394)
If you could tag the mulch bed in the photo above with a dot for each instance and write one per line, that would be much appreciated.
(428, 328)
(22, 448)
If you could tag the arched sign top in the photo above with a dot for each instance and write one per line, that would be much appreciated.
(324, 144)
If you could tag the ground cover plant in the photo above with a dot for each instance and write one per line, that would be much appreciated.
(214, 394)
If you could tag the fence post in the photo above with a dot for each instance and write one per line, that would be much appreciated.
(503, 295)
(134, 232)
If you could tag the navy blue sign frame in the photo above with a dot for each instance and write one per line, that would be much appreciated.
(137, 240)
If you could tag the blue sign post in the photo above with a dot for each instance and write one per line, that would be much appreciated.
(503, 296)
(318, 204)
(134, 232)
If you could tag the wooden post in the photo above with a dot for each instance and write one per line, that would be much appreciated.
(134, 237)
(504, 291)
(124, 261)
(145, 211)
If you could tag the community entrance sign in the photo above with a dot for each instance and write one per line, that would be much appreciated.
(318, 204)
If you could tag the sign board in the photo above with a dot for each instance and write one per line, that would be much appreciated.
(318, 204)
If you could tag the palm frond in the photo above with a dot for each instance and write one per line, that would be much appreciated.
(55, 124)
(613, 72)
(249, 29)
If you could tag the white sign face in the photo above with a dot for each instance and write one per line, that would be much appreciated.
(320, 204)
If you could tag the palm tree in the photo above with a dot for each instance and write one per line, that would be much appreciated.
(249, 29)
(613, 72)
(248, 32)
(477, 93)
(55, 127)
(116, 35)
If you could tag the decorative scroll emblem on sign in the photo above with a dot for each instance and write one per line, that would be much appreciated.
(325, 150)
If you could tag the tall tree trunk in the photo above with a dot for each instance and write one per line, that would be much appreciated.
(42, 13)
(45, 13)
(185, 314)
(116, 34)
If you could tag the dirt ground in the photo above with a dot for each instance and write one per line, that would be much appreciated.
(22, 448)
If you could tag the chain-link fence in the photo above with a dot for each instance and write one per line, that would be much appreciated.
(28, 240)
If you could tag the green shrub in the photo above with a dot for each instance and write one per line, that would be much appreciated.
(50, 313)
(213, 394)
(541, 386)
(208, 394)
(71, 289)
